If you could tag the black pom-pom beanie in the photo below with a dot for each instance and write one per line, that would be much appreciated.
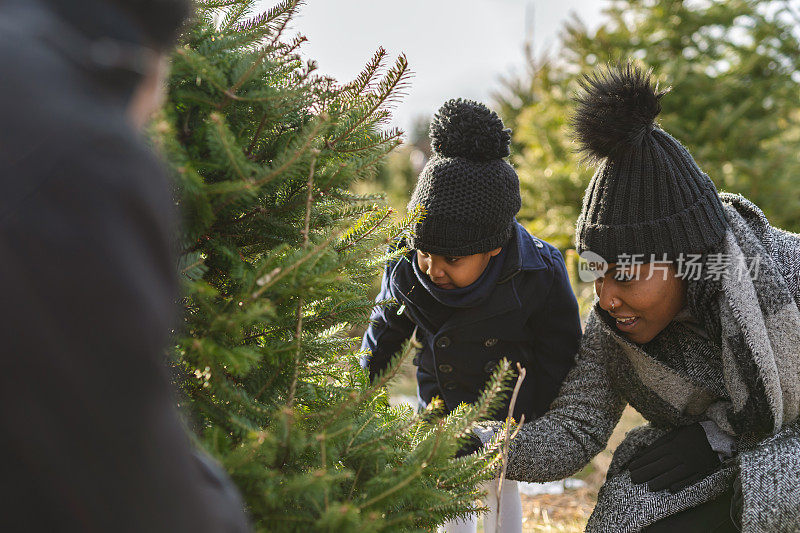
(648, 196)
(468, 191)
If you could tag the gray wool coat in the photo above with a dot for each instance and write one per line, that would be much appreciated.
(681, 378)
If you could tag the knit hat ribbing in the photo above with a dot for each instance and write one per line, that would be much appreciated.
(648, 196)
(469, 192)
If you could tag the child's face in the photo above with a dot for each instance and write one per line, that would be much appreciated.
(453, 272)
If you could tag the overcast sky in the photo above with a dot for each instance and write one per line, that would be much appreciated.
(455, 47)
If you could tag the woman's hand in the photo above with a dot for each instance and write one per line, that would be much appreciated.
(674, 461)
(470, 444)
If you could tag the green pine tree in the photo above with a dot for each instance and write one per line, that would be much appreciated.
(735, 102)
(277, 258)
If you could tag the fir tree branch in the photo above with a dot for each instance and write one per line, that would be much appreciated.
(389, 139)
(269, 381)
(287, 9)
(309, 199)
(321, 438)
(395, 79)
(355, 481)
(256, 135)
(218, 121)
(196, 246)
(360, 430)
(197, 263)
(298, 334)
(234, 14)
(370, 163)
(280, 275)
(398, 430)
(260, 210)
(324, 459)
(415, 474)
(215, 4)
(295, 156)
(202, 67)
(317, 318)
(384, 378)
(299, 329)
(365, 77)
(291, 48)
(363, 236)
(408, 479)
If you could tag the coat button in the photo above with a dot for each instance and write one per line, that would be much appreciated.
(490, 366)
(539, 244)
(445, 368)
(442, 342)
(490, 342)
(450, 385)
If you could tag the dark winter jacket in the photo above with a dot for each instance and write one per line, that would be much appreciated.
(90, 439)
(749, 387)
(530, 317)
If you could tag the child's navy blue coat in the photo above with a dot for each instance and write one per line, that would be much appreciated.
(530, 317)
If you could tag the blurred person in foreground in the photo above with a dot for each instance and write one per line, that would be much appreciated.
(90, 437)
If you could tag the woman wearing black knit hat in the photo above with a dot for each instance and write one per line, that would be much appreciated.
(696, 325)
(475, 287)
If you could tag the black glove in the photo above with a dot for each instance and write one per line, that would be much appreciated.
(675, 460)
(470, 444)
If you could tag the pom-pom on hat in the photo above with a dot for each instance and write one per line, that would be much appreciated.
(648, 196)
(469, 192)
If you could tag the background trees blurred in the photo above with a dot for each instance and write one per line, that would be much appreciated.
(734, 69)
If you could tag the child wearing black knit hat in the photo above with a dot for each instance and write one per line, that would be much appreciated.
(475, 286)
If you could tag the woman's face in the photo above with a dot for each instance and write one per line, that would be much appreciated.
(642, 307)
